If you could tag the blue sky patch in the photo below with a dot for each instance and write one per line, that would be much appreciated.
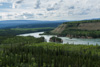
(5, 5)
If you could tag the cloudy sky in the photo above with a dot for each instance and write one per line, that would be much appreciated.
(49, 9)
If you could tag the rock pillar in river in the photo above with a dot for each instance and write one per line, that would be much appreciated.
(56, 39)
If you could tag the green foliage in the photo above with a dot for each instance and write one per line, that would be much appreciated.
(20, 39)
(84, 21)
(16, 31)
(50, 55)
(56, 39)
(79, 33)
(33, 29)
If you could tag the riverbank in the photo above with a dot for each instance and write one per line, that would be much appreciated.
(78, 29)
(17, 31)
(66, 40)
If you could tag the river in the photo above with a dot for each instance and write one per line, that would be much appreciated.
(65, 39)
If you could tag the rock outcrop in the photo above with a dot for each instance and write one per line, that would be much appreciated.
(89, 26)
(59, 29)
(56, 40)
(68, 29)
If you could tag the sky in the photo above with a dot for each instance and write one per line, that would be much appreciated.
(49, 9)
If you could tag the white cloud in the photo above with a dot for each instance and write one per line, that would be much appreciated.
(3, 1)
(51, 9)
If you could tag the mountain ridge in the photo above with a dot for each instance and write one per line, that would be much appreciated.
(17, 23)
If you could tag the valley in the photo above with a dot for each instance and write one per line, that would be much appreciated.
(24, 47)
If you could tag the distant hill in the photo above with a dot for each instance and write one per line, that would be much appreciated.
(28, 23)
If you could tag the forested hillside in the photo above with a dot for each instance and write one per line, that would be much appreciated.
(28, 51)
(79, 29)
(17, 31)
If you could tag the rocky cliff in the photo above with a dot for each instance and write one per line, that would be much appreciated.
(88, 28)
(77, 25)
(59, 29)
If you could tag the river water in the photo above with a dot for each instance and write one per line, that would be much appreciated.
(65, 39)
